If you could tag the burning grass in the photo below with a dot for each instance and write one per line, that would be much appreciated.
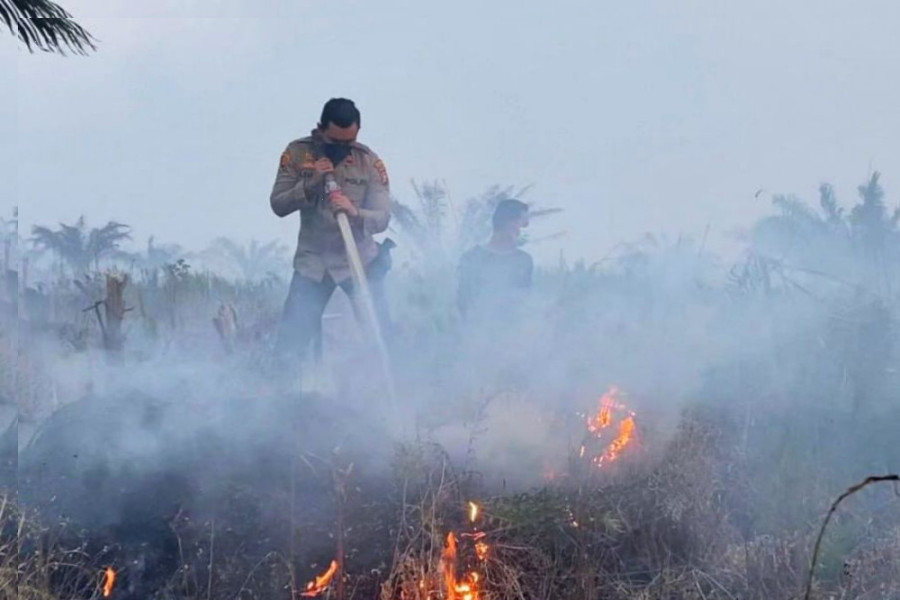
(646, 530)
(610, 431)
(673, 521)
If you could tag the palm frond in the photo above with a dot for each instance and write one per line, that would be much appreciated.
(433, 201)
(405, 220)
(46, 26)
(796, 209)
(871, 212)
(43, 237)
(523, 190)
(107, 238)
(405, 217)
(77, 245)
(250, 261)
(547, 238)
(544, 212)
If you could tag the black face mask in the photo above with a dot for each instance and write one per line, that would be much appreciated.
(336, 153)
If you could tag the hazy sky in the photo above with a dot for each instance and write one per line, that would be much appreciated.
(633, 116)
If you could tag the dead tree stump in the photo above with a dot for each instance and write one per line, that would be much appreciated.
(226, 324)
(113, 339)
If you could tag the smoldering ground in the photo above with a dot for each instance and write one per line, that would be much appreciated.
(790, 363)
(136, 464)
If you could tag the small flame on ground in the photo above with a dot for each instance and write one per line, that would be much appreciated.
(473, 512)
(611, 404)
(109, 582)
(448, 562)
(467, 588)
(626, 434)
(321, 583)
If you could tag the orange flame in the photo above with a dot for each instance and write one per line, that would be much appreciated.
(611, 405)
(609, 402)
(448, 563)
(473, 512)
(109, 582)
(626, 434)
(321, 583)
(467, 588)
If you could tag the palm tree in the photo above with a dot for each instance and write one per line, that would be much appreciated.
(859, 246)
(162, 254)
(157, 255)
(253, 261)
(43, 25)
(426, 224)
(852, 247)
(871, 226)
(78, 246)
(429, 228)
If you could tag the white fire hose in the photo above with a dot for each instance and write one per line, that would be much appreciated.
(361, 293)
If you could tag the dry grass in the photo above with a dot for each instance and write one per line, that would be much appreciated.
(670, 525)
(34, 566)
(655, 529)
(650, 531)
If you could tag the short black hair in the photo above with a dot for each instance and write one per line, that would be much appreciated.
(508, 211)
(340, 111)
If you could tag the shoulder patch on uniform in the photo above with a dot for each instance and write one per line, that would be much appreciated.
(301, 152)
(286, 160)
(382, 171)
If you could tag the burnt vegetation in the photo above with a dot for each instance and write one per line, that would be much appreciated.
(761, 390)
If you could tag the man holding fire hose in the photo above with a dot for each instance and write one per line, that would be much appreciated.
(330, 154)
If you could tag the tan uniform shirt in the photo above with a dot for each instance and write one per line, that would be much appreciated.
(320, 247)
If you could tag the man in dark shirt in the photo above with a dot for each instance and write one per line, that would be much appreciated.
(494, 275)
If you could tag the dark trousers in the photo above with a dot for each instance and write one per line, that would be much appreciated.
(301, 322)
